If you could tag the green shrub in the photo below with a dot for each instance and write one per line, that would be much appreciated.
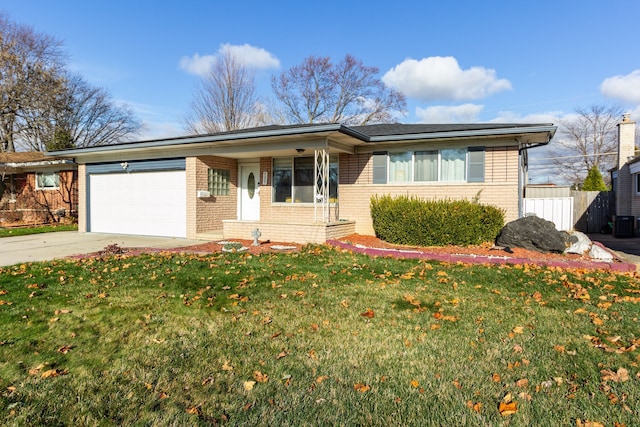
(413, 221)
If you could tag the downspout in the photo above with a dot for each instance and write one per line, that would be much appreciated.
(523, 160)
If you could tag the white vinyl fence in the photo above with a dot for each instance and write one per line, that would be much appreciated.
(558, 210)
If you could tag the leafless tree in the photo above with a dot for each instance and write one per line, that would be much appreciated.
(318, 91)
(31, 79)
(225, 99)
(42, 106)
(588, 140)
(86, 116)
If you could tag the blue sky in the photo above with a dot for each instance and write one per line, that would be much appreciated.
(468, 61)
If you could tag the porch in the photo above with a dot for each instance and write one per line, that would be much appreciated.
(295, 232)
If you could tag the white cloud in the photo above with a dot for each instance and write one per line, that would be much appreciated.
(545, 117)
(623, 88)
(466, 113)
(441, 78)
(250, 56)
(196, 64)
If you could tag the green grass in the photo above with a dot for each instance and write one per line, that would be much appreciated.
(24, 231)
(174, 339)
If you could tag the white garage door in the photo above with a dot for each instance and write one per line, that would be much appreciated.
(144, 203)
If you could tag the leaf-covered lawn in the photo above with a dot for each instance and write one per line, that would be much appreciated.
(319, 337)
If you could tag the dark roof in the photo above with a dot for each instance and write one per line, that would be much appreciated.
(368, 134)
(410, 129)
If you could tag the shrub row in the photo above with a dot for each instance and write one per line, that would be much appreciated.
(414, 221)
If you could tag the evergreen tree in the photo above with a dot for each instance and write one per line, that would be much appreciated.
(594, 181)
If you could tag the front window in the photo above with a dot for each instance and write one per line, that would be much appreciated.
(293, 179)
(453, 164)
(47, 180)
(400, 167)
(447, 165)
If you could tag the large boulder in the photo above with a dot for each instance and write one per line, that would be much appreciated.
(533, 233)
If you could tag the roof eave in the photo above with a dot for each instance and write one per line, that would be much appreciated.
(192, 140)
(546, 128)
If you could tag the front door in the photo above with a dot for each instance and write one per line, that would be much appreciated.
(249, 192)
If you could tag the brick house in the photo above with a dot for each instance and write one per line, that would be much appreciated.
(299, 183)
(35, 188)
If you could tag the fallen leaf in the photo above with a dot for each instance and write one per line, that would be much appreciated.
(65, 349)
(321, 378)
(368, 314)
(587, 423)
(226, 366)
(260, 377)
(620, 376)
(508, 408)
(362, 388)
(523, 382)
(518, 330)
(559, 348)
(281, 355)
(53, 373)
(194, 410)
(496, 377)
(248, 385)
(415, 384)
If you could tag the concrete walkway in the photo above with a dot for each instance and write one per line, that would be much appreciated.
(49, 246)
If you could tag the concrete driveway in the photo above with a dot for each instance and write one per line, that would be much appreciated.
(49, 246)
(625, 247)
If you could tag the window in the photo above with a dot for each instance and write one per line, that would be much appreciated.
(47, 180)
(400, 167)
(451, 165)
(426, 166)
(293, 179)
(637, 184)
(218, 181)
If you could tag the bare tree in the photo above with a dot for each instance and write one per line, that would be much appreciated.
(588, 140)
(225, 99)
(31, 79)
(87, 116)
(318, 91)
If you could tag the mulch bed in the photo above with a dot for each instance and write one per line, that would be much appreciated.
(371, 245)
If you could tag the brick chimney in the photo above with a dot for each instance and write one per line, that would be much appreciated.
(626, 140)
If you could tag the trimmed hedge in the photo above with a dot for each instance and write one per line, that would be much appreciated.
(413, 221)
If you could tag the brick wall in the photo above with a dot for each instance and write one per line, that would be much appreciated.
(22, 201)
(303, 232)
(210, 211)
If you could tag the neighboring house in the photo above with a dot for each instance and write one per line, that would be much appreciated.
(625, 179)
(36, 188)
(298, 183)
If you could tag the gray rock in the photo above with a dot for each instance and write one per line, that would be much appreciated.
(533, 233)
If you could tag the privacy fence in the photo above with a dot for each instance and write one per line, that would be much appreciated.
(586, 211)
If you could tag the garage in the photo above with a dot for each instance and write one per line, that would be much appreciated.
(140, 202)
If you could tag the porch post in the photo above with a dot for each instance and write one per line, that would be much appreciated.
(321, 194)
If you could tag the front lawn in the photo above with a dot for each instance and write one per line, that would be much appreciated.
(23, 231)
(319, 337)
